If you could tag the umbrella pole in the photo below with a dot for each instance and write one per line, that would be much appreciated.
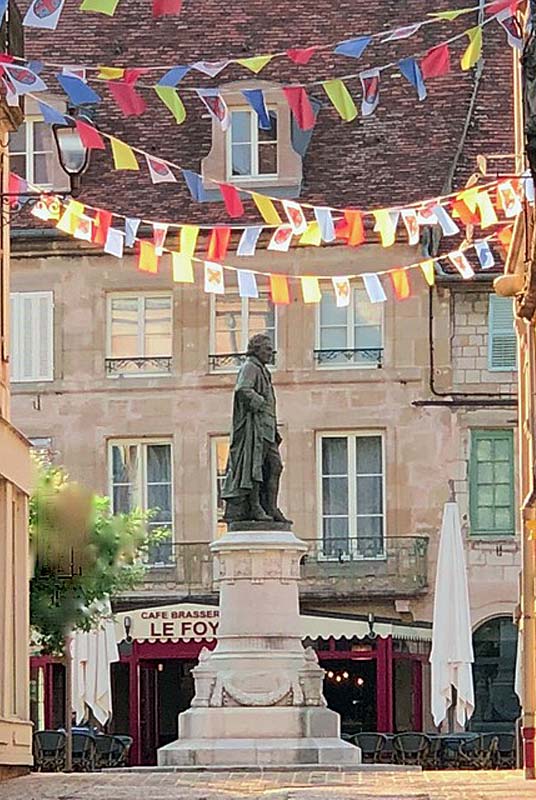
(68, 703)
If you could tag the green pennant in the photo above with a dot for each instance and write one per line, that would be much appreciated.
(170, 97)
(255, 63)
(450, 16)
(341, 99)
(100, 6)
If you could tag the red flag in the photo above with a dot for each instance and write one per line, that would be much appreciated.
(17, 186)
(279, 291)
(101, 226)
(232, 200)
(399, 278)
(302, 56)
(218, 243)
(89, 136)
(147, 258)
(461, 211)
(356, 230)
(300, 106)
(127, 98)
(500, 5)
(162, 8)
(436, 62)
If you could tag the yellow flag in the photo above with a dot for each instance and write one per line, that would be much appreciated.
(310, 289)
(449, 15)
(267, 209)
(255, 63)
(170, 97)
(474, 49)
(183, 268)
(386, 226)
(101, 6)
(188, 239)
(488, 217)
(70, 217)
(312, 235)
(123, 155)
(428, 270)
(341, 98)
(111, 73)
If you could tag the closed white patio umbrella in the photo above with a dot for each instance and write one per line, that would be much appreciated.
(452, 643)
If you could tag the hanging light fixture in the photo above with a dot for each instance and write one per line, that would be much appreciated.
(72, 153)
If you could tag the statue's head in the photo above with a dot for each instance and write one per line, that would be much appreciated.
(260, 346)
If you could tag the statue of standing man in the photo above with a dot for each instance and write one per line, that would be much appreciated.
(254, 467)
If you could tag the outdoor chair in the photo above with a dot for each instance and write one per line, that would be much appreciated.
(387, 755)
(49, 751)
(505, 755)
(83, 752)
(371, 745)
(433, 759)
(411, 748)
(480, 752)
(127, 744)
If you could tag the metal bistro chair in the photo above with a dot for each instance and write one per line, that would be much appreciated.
(49, 751)
(371, 745)
(480, 752)
(411, 748)
(505, 756)
(434, 756)
(112, 751)
(84, 751)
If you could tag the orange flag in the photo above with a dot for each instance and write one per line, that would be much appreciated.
(279, 290)
(147, 258)
(399, 278)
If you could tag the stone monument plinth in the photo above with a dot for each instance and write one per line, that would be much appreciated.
(258, 696)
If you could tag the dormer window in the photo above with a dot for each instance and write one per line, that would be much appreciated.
(251, 151)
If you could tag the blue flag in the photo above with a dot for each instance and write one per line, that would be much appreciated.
(248, 241)
(247, 284)
(79, 92)
(194, 184)
(3, 9)
(131, 229)
(325, 221)
(50, 115)
(412, 73)
(173, 76)
(353, 47)
(255, 98)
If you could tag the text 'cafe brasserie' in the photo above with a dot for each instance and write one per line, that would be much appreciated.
(180, 624)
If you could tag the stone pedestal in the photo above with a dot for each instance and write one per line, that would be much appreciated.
(258, 696)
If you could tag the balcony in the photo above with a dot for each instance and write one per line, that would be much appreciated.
(155, 365)
(396, 566)
(361, 357)
(225, 362)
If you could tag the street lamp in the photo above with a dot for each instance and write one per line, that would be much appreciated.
(72, 153)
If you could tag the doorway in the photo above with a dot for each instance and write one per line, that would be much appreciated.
(350, 690)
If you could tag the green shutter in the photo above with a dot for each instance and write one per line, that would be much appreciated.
(491, 483)
(502, 344)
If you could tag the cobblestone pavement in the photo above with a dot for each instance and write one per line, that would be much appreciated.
(148, 785)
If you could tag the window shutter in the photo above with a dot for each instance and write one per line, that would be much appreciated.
(502, 346)
(32, 340)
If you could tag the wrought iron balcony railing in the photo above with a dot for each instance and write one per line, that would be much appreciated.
(394, 566)
(138, 366)
(361, 355)
(220, 361)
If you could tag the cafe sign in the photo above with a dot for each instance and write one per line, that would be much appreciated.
(180, 622)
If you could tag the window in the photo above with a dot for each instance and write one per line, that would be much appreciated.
(491, 482)
(31, 152)
(140, 333)
(32, 334)
(220, 453)
(234, 321)
(496, 704)
(352, 495)
(351, 335)
(251, 151)
(41, 448)
(141, 477)
(502, 343)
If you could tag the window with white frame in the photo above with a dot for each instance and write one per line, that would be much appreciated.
(502, 343)
(42, 450)
(351, 492)
(140, 333)
(31, 152)
(349, 335)
(220, 454)
(32, 337)
(141, 476)
(251, 150)
(235, 320)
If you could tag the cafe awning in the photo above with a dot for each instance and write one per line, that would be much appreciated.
(195, 622)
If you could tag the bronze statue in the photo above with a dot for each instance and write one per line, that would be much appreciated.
(254, 467)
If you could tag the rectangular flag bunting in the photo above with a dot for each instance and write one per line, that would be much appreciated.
(354, 48)
(374, 288)
(528, 184)
(114, 243)
(79, 93)
(301, 107)
(386, 222)
(216, 106)
(50, 115)
(370, 81)
(101, 226)
(436, 62)
(399, 279)
(182, 267)
(484, 254)
(255, 98)
(247, 284)
(131, 229)
(83, 229)
(279, 290)
(310, 289)
(162, 8)
(474, 48)
(170, 98)
(23, 80)
(514, 34)
(214, 278)
(488, 217)
(341, 98)
(412, 73)
(129, 101)
(218, 243)
(508, 199)
(356, 229)
(194, 183)
(281, 239)
(44, 14)
(188, 239)
(231, 198)
(295, 216)
(67, 221)
(123, 155)
(174, 76)
(90, 136)
(100, 6)
(448, 226)
(248, 241)
(160, 230)
(147, 258)
(266, 208)
(325, 223)
(428, 270)
(254, 63)
(460, 262)
(409, 218)
(312, 235)
(159, 171)
(341, 287)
